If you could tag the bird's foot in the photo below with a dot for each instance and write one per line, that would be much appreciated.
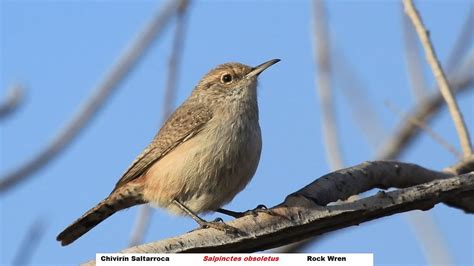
(219, 224)
(259, 209)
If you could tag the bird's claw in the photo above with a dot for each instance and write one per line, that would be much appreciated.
(219, 224)
(263, 209)
(254, 212)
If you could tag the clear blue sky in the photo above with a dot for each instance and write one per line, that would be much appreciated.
(61, 49)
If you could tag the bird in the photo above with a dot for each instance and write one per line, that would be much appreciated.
(205, 153)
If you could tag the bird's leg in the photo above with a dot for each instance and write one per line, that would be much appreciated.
(259, 209)
(218, 223)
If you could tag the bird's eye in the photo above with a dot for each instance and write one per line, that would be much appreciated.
(226, 78)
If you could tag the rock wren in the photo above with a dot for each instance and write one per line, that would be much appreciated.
(205, 153)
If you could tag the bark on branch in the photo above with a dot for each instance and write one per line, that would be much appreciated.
(303, 215)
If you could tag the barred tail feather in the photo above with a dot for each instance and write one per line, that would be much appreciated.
(121, 198)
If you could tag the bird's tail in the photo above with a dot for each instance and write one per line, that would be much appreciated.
(121, 198)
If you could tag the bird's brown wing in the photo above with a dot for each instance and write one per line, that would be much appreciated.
(183, 124)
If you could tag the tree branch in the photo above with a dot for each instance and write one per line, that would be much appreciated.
(440, 77)
(99, 96)
(356, 93)
(463, 42)
(413, 60)
(350, 83)
(428, 130)
(323, 81)
(302, 214)
(30, 242)
(12, 101)
(461, 80)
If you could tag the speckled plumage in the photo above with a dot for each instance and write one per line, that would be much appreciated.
(205, 153)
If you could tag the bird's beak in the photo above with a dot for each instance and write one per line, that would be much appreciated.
(260, 68)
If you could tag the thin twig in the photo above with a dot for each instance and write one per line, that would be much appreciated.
(413, 60)
(436, 253)
(14, 98)
(322, 54)
(460, 77)
(406, 133)
(30, 242)
(428, 130)
(142, 222)
(440, 77)
(99, 96)
(463, 42)
(356, 94)
(174, 61)
(144, 214)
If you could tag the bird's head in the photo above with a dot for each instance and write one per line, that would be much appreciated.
(231, 81)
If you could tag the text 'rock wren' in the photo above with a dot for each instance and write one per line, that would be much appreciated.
(205, 153)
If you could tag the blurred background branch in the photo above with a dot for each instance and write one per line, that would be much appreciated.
(14, 98)
(428, 130)
(322, 52)
(435, 252)
(99, 96)
(461, 80)
(463, 42)
(30, 242)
